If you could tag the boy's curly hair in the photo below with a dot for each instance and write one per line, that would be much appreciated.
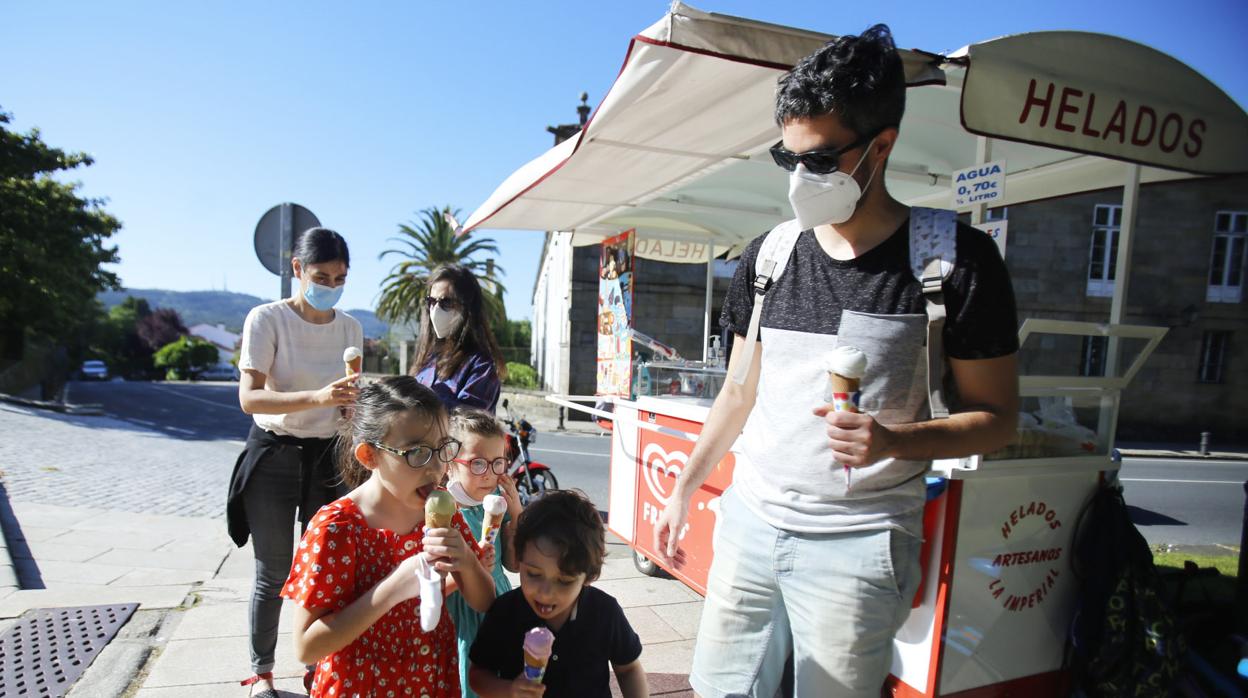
(572, 524)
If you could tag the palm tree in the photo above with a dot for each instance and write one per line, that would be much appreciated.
(427, 244)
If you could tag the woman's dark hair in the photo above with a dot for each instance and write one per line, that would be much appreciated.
(320, 245)
(373, 413)
(858, 78)
(572, 524)
(473, 336)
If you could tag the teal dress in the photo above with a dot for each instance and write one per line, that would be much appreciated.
(467, 621)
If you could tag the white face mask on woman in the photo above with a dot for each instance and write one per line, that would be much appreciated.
(820, 199)
(444, 321)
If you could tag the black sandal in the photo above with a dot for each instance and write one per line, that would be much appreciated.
(266, 693)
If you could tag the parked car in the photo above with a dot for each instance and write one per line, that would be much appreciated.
(93, 370)
(220, 372)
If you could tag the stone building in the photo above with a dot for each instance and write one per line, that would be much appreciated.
(1187, 270)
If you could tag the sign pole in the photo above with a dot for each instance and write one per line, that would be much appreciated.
(710, 298)
(1108, 427)
(287, 242)
(983, 154)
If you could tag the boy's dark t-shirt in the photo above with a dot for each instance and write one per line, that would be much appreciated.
(596, 635)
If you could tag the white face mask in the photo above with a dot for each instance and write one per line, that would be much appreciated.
(461, 495)
(444, 321)
(831, 198)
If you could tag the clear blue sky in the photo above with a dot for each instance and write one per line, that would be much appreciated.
(203, 115)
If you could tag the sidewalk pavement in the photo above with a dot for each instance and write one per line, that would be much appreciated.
(71, 534)
(187, 573)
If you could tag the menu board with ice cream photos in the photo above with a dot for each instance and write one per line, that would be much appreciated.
(615, 315)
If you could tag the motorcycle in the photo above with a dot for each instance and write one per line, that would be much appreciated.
(532, 478)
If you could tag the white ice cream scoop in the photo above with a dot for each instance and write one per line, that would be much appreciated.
(351, 354)
(846, 361)
(495, 504)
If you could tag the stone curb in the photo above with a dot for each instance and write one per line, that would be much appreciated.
(93, 410)
(9, 581)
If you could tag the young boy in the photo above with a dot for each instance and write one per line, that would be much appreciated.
(560, 546)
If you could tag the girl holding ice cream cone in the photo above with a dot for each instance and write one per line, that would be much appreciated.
(489, 502)
(359, 576)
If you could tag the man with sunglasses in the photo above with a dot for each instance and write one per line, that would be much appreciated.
(809, 567)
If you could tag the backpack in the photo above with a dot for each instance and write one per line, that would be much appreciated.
(1123, 640)
(933, 253)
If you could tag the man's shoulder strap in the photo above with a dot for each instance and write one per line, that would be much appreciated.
(933, 245)
(773, 257)
(774, 253)
(933, 254)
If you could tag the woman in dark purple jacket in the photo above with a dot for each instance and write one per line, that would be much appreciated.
(457, 355)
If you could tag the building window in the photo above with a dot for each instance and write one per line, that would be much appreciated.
(1092, 360)
(1226, 263)
(1213, 353)
(1103, 258)
(996, 214)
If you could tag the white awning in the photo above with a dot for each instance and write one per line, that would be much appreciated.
(678, 147)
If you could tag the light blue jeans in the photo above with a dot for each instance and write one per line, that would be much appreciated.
(833, 601)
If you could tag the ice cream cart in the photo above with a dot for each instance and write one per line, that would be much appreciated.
(677, 150)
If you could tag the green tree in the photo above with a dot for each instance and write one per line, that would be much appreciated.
(52, 244)
(186, 357)
(117, 340)
(426, 244)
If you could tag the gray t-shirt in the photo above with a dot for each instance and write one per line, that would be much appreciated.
(294, 355)
(873, 302)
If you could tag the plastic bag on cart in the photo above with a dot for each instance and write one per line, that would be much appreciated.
(1051, 431)
(1124, 640)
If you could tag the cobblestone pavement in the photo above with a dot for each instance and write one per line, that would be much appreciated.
(106, 463)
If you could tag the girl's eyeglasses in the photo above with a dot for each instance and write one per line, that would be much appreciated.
(478, 466)
(419, 456)
(446, 302)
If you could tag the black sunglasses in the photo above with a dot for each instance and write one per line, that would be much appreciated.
(446, 302)
(821, 161)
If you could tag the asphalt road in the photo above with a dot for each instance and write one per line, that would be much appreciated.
(1179, 501)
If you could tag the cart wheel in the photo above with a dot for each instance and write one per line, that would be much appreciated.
(647, 566)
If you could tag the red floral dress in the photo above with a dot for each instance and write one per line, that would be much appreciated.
(339, 559)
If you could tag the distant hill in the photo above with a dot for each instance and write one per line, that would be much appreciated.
(219, 307)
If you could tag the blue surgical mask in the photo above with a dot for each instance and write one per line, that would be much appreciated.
(322, 297)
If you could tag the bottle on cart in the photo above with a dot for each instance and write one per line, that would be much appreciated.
(643, 378)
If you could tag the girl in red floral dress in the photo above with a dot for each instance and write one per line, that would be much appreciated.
(357, 614)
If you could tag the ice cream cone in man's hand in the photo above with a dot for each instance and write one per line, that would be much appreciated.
(846, 366)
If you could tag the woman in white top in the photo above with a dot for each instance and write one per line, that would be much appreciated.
(293, 383)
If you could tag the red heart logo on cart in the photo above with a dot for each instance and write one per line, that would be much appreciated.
(658, 465)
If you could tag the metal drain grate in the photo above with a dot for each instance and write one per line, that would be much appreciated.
(49, 648)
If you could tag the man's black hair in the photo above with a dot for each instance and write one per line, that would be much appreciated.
(858, 78)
